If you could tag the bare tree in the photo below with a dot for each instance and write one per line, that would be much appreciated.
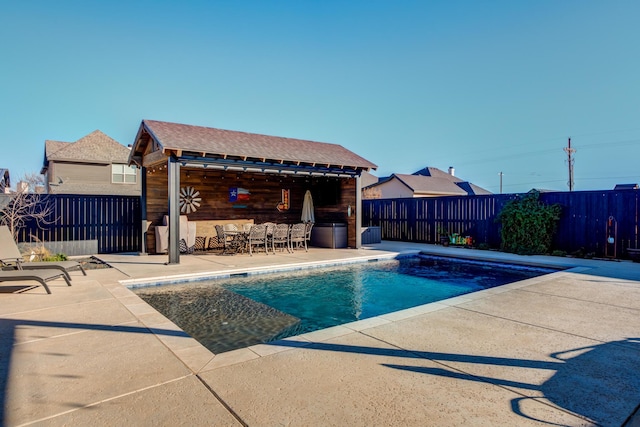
(33, 182)
(18, 207)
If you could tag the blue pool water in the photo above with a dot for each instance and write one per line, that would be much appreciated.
(237, 312)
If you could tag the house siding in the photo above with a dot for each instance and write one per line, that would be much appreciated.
(89, 179)
(394, 189)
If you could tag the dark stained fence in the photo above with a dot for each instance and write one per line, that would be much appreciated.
(584, 224)
(114, 221)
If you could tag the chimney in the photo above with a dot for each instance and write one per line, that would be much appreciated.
(452, 171)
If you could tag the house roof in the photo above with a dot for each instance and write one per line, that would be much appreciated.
(368, 179)
(433, 181)
(202, 143)
(97, 147)
(626, 187)
(421, 184)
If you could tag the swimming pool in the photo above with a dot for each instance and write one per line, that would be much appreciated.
(227, 314)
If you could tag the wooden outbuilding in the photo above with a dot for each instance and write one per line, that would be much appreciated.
(211, 174)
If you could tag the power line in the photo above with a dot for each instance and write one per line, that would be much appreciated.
(520, 155)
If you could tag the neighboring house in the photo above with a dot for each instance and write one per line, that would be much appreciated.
(367, 179)
(95, 164)
(427, 182)
(626, 187)
(5, 181)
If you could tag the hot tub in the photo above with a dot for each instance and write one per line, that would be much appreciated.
(329, 235)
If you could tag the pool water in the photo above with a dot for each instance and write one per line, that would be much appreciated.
(234, 313)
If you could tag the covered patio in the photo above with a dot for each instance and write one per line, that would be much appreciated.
(211, 175)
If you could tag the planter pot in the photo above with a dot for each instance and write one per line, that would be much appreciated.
(444, 240)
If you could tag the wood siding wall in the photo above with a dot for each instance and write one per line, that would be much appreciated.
(583, 224)
(265, 194)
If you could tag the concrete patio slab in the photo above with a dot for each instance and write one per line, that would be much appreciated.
(573, 316)
(153, 406)
(353, 380)
(570, 372)
(560, 349)
(52, 375)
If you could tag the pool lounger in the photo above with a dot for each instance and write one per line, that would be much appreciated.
(10, 256)
(40, 276)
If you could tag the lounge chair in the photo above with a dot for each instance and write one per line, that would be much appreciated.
(41, 276)
(10, 256)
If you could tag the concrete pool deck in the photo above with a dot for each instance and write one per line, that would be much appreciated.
(562, 349)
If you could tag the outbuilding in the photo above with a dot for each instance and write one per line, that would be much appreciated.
(210, 174)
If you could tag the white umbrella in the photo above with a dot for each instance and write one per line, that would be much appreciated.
(307, 208)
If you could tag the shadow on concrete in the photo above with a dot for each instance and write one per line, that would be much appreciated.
(599, 383)
(7, 341)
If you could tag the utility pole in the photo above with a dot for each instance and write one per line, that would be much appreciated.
(500, 173)
(570, 161)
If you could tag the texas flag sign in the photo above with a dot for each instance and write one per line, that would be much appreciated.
(238, 194)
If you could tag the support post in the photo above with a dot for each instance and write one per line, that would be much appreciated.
(143, 210)
(173, 172)
(358, 208)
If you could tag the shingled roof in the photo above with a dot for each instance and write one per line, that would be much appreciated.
(211, 143)
(432, 181)
(97, 147)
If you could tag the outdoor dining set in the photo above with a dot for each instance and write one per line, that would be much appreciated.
(231, 239)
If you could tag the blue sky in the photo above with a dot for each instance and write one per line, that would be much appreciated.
(486, 87)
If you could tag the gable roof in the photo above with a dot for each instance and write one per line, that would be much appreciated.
(626, 187)
(433, 181)
(97, 147)
(212, 144)
(436, 173)
(421, 184)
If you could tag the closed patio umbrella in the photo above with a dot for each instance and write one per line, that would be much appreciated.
(307, 208)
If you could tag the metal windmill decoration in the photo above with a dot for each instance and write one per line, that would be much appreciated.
(189, 200)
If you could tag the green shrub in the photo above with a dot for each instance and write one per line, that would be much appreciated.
(483, 246)
(56, 257)
(528, 225)
(558, 252)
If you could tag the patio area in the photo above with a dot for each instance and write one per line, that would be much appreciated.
(561, 349)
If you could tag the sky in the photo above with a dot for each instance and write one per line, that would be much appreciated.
(486, 87)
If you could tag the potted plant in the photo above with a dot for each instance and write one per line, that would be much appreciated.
(444, 236)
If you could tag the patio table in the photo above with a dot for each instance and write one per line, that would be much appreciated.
(236, 243)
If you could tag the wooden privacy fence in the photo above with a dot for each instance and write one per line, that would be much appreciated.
(584, 224)
(114, 221)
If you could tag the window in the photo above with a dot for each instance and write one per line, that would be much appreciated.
(123, 174)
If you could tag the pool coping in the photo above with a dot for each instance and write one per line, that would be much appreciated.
(200, 359)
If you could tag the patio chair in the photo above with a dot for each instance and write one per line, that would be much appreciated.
(217, 241)
(41, 276)
(307, 232)
(298, 236)
(258, 237)
(280, 237)
(10, 257)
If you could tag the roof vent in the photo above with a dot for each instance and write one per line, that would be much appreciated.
(452, 171)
